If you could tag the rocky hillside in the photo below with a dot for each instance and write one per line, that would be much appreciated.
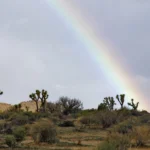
(4, 106)
(30, 104)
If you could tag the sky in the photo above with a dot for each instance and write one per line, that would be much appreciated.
(39, 51)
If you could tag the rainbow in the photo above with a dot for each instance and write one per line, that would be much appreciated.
(117, 75)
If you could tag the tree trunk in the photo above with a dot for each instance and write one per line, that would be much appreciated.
(37, 106)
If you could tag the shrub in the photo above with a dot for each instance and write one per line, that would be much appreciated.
(136, 113)
(106, 146)
(124, 112)
(141, 135)
(19, 133)
(67, 123)
(18, 119)
(10, 141)
(5, 115)
(27, 128)
(108, 118)
(124, 128)
(2, 125)
(87, 120)
(145, 118)
(43, 131)
(115, 141)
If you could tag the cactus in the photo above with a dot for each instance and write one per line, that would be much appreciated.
(121, 99)
(133, 105)
(43, 96)
(109, 101)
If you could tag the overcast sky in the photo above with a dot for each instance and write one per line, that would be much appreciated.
(38, 50)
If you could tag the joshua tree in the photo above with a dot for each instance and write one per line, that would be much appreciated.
(16, 107)
(19, 106)
(35, 97)
(1, 92)
(109, 102)
(44, 99)
(133, 105)
(121, 99)
(43, 96)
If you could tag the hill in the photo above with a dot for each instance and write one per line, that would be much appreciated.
(30, 104)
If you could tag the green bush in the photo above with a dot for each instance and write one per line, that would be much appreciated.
(10, 141)
(19, 133)
(43, 131)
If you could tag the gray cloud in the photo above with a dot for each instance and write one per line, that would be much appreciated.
(39, 51)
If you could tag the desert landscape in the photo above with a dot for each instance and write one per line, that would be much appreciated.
(65, 125)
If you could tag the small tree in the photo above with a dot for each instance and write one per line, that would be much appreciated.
(102, 106)
(70, 105)
(133, 105)
(109, 102)
(121, 99)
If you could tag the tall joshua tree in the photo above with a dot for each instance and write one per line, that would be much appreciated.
(37, 96)
(43, 98)
(121, 99)
(133, 105)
